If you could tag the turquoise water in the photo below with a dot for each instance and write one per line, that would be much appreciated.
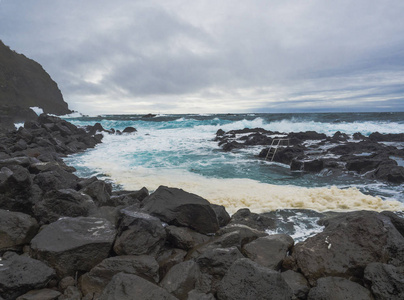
(179, 150)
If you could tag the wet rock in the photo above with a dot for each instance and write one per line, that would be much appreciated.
(125, 286)
(248, 280)
(181, 279)
(349, 242)
(74, 244)
(177, 207)
(314, 166)
(269, 251)
(16, 229)
(64, 202)
(258, 221)
(44, 294)
(229, 146)
(307, 135)
(20, 274)
(297, 283)
(139, 233)
(184, 238)
(334, 288)
(95, 281)
(386, 281)
(390, 172)
(129, 130)
(390, 137)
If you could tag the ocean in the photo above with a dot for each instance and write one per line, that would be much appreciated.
(180, 151)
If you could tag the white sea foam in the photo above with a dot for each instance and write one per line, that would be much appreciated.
(37, 110)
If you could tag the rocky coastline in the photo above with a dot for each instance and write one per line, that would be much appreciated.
(65, 237)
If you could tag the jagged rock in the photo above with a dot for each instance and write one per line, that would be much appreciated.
(20, 274)
(16, 189)
(386, 281)
(335, 288)
(222, 215)
(177, 207)
(217, 261)
(348, 243)
(181, 279)
(100, 191)
(297, 283)
(397, 221)
(125, 286)
(269, 251)
(246, 279)
(139, 233)
(168, 258)
(95, 281)
(64, 202)
(184, 238)
(258, 221)
(128, 197)
(44, 294)
(55, 180)
(16, 229)
(74, 244)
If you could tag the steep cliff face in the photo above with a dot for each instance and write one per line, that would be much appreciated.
(24, 83)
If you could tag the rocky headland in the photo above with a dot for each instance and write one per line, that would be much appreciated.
(65, 237)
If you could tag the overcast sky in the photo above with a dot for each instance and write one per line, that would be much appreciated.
(203, 56)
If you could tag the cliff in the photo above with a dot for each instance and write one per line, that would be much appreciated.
(23, 84)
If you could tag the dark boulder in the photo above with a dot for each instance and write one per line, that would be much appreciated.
(229, 146)
(177, 207)
(217, 261)
(42, 294)
(55, 180)
(95, 281)
(20, 274)
(100, 191)
(390, 137)
(297, 283)
(385, 281)
(269, 251)
(314, 166)
(139, 233)
(390, 172)
(74, 244)
(349, 242)
(64, 202)
(362, 164)
(222, 215)
(16, 229)
(129, 130)
(128, 197)
(125, 286)
(246, 279)
(168, 258)
(307, 135)
(258, 221)
(335, 288)
(184, 238)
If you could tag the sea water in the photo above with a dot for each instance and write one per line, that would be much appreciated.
(180, 151)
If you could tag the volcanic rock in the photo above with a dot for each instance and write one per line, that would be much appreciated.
(74, 244)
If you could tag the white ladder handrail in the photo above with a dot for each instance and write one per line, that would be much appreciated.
(275, 147)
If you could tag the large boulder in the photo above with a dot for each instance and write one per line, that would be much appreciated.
(126, 286)
(20, 274)
(177, 207)
(181, 279)
(99, 191)
(42, 294)
(64, 202)
(217, 261)
(335, 288)
(55, 180)
(386, 281)
(246, 279)
(269, 251)
(297, 282)
(74, 244)
(349, 242)
(16, 229)
(258, 221)
(184, 238)
(139, 233)
(95, 281)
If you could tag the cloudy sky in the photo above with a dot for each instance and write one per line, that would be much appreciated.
(203, 56)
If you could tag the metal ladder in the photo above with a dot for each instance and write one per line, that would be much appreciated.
(275, 147)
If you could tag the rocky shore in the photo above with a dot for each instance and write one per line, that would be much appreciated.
(373, 157)
(65, 237)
